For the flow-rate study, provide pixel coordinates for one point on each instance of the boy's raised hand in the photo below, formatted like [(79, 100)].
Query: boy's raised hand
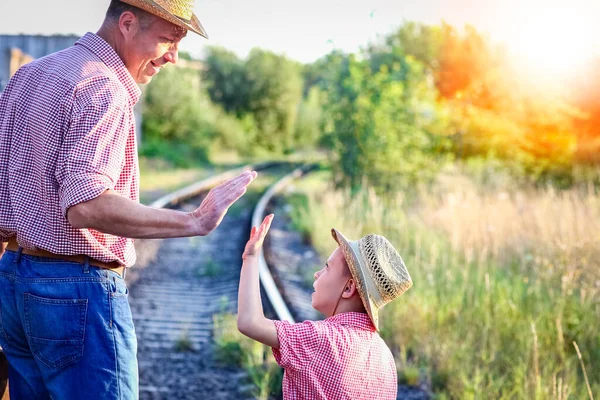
[(257, 237)]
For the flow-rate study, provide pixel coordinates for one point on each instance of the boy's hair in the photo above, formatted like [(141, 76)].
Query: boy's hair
[(346, 272)]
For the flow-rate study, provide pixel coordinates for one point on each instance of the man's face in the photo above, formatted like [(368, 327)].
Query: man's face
[(151, 48), (329, 283)]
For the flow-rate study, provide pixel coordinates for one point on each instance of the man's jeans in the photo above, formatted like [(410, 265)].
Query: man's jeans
[(66, 329)]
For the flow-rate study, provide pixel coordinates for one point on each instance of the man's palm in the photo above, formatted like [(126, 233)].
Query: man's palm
[(214, 207)]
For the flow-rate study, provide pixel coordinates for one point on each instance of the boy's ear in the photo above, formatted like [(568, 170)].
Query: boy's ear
[(350, 289)]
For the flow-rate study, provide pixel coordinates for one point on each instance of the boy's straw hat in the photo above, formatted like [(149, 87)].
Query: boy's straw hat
[(378, 269), (178, 12)]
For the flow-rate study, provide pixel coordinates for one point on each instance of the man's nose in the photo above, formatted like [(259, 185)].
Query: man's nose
[(172, 55)]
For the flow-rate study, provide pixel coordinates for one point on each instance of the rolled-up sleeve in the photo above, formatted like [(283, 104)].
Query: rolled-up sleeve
[(298, 343), (93, 154)]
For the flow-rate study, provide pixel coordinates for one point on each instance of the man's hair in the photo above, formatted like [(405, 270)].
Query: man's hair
[(117, 7)]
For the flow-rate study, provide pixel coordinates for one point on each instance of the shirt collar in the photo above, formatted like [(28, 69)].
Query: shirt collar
[(109, 56), (354, 319)]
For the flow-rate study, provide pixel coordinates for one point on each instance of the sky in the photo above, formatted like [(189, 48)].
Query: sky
[(308, 29)]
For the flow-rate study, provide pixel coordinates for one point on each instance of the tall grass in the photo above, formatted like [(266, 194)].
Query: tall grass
[(504, 282), (236, 350)]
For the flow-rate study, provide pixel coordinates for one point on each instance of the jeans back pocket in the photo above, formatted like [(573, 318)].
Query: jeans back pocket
[(55, 329)]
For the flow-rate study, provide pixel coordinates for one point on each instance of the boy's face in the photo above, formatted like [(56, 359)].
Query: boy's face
[(329, 283)]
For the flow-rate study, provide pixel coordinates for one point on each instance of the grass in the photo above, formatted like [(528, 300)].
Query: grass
[(210, 269), (158, 178), (505, 280), (237, 350), (184, 342)]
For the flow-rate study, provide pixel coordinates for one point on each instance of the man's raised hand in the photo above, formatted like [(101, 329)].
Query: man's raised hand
[(214, 207)]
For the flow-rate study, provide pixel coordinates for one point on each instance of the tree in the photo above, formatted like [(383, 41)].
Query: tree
[(275, 90), (381, 125), (226, 81)]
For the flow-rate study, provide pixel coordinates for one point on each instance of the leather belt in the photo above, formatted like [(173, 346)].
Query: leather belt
[(79, 258)]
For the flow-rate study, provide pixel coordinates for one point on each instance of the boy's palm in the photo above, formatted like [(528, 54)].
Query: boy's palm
[(257, 237)]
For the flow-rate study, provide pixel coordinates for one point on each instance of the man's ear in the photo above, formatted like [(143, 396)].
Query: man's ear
[(350, 289), (128, 24)]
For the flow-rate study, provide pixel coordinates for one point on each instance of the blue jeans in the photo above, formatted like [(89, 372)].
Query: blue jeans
[(66, 329)]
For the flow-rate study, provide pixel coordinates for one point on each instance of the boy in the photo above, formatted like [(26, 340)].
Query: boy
[(342, 357)]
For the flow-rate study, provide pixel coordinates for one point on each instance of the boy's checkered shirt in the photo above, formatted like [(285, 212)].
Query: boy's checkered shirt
[(342, 357)]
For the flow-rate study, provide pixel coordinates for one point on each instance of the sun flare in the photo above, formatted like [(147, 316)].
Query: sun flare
[(554, 42)]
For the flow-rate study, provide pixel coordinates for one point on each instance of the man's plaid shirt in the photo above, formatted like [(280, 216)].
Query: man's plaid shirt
[(67, 134)]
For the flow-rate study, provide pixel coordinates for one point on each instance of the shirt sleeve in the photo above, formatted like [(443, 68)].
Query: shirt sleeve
[(93, 154), (298, 343)]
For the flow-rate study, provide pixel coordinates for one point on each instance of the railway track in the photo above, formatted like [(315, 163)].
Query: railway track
[(175, 296), (180, 284)]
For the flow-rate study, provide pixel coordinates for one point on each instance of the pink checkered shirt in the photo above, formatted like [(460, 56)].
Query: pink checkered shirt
[(67, 134), (342, 357)]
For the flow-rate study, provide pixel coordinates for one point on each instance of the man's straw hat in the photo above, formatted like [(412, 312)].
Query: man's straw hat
[(378, 270), (178, 12)]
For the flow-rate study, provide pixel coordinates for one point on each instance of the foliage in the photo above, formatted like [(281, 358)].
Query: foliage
[(422, 42), (275, 91), (324, 72), (495, 109), (226, 81), (263, 91), (235, 349), (184, 342), (309, 122), (182, 125), (175, 115), (585, 90), (381, 125), (502, 288), (392, 115)]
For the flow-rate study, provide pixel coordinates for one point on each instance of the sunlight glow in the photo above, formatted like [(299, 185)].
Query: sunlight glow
[(555, 42)]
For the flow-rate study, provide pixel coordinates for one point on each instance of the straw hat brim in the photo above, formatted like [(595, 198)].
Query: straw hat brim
[(154, 7), (357, 270)]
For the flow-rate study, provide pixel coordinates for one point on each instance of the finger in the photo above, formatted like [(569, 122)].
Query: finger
[(235, 184), (232, 197), (232, 183), (243, 179), (266, 224), (251, 171), (269, 221)]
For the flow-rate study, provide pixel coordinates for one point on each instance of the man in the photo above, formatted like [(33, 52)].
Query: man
[(69, 204)]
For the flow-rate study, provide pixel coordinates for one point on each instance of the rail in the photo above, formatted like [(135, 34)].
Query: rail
[(195, 188), (273, 294)]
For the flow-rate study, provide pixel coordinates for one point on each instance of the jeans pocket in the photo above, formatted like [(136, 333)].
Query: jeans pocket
[(118, 287), (55, 329)]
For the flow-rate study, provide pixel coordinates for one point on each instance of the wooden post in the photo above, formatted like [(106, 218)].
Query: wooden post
[(18, 59), (3, 376)]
